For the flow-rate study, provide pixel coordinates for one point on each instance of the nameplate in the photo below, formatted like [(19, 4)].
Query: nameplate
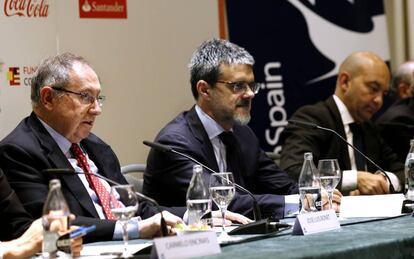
[(188, 245), (315, 222)]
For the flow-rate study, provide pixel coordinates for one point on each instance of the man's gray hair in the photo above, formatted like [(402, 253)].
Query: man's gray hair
[(206, 60), (404, 74), (53, 71)]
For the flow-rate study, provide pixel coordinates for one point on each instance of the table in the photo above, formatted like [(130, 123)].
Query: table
[(385, 238), (357, 238)]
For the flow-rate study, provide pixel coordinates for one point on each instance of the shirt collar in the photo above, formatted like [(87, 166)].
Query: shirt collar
[(63, 143), (343, 111), (212, 128)]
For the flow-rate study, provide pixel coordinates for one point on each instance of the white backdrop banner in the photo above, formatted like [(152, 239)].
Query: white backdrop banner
[(29, 34), (139, 48)]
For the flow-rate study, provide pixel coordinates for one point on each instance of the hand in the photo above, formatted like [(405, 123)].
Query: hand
[(75, 244), (354, 193), (230, 217), (60, 226), (368, 183), (336, 200), (151, 227), (27, 245)]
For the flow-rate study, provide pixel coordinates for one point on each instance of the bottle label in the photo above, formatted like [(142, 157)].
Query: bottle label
[(310, 199), (49, 242), (207, 219), (199, 214), (409, 174)]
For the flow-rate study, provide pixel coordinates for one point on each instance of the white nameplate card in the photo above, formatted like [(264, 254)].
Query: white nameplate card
[(188, 245), (315, 222)]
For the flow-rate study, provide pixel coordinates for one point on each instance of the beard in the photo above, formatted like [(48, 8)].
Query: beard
[(243, 119), (226, 115)]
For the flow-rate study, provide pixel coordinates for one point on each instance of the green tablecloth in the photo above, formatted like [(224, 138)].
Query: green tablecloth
[(388, 238), (385, 238)]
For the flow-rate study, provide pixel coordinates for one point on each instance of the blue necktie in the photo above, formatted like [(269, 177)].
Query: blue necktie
[(233, 156)]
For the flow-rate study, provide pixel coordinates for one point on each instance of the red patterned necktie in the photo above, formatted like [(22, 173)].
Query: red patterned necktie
[(94, 183)]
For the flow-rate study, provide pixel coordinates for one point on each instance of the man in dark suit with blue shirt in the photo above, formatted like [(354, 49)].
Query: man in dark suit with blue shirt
[(215, 132)]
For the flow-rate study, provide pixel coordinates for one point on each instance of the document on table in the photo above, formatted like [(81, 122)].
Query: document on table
[(387, 205), (111, 249)]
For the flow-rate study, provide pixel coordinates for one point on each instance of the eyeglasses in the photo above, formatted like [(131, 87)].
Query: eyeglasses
[(241, 87), (85, 97)]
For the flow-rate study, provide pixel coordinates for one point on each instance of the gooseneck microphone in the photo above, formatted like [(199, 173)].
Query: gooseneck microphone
[(309, 125), (68, 171), (164, 148)]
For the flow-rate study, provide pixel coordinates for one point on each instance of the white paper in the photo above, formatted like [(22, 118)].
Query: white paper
[(107, 251), (387, 205)]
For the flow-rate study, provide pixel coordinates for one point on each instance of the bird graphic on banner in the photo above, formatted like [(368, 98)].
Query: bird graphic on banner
[(336, 43)]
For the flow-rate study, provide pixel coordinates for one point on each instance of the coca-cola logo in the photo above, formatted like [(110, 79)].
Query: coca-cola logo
[(28, 8)]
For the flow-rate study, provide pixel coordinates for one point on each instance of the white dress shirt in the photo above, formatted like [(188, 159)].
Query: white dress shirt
[(349, 177), (213, 130)]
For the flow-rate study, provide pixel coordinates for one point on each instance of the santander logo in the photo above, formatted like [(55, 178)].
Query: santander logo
[(27, 8), (86, 7), (107, 9)]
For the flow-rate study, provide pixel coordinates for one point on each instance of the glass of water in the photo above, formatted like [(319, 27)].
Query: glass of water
[(222, 192), (124, 204), (329, 174)]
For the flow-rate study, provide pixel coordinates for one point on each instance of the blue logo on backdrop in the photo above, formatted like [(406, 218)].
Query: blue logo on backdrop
[(298, 46)]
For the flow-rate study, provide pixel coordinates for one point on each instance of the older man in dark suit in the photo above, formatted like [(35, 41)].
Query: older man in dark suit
[(362, 81), (66, 101), (397, 123)]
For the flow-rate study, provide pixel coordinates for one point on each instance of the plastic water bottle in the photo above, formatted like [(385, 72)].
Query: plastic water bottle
[(198, 201), (309, 186), (54, 219), (409, 173)]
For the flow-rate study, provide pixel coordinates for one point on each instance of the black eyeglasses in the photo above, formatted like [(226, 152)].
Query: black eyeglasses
[(85, 97), (241, 87)]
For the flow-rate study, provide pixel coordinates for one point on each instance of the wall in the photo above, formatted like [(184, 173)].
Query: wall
[(141, 61)]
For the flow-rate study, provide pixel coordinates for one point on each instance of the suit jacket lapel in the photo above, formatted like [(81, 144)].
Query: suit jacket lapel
[(97, 151), (59, 160), (200, 133)]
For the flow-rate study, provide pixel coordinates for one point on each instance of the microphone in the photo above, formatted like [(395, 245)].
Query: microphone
[(309, 125), (260, 226), (164, 148), (68, 171)]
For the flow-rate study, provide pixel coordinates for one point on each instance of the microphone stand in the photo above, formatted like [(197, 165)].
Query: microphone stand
[(260, 226), (67, 171), (163, 148), (315, 126), (256, 210)]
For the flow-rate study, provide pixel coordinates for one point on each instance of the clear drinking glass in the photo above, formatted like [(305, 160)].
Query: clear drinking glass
[(124, 205), (222, 192), (329, 174)]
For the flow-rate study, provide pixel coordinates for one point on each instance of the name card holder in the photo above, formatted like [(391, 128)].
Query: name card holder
[(315, 222), (188, 245)]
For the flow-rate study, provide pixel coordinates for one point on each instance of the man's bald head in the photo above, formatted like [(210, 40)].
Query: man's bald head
[(363, 79)]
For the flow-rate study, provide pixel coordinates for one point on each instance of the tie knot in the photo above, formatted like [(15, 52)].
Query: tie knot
[(76, 150), (355, 128), (227, 137)]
